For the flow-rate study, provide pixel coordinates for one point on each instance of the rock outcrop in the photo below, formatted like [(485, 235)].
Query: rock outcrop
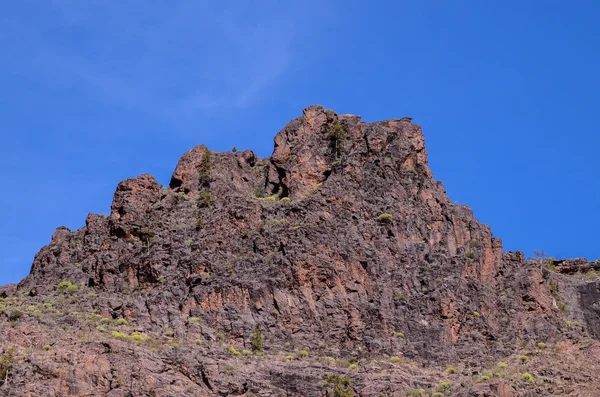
[(340, 254)]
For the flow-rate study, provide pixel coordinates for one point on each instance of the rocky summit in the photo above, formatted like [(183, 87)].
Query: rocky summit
[(336, 267)]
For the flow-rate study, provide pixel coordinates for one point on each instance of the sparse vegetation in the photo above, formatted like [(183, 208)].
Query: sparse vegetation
[(337, 135), (194, 320), (451, 370), (527, 377), (502, 365), (6, 364), (483, 378), (205, 166), (385, 217), (15, 315), (523, 358), (303, 353), (257, 340), (445, 386), (477, 314), (233, 351), (205, 200), (416, 393), (338, 386), (64, 285)]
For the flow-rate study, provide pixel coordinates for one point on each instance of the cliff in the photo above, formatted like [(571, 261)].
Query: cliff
[(338, 265)]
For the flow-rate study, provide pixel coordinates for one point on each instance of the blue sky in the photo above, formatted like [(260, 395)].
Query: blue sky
[(507, 92)]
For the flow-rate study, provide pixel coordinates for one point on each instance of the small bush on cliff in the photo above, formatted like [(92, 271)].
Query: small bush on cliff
[(204, 167), (205, 200), (257, 340), (385, 218), (233, 351), (338, 386), (337, 135), (6, 364), (527, 377), (15, 315), (64, 285), (445, 386)]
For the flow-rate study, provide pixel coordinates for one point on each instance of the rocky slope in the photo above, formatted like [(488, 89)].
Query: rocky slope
[(338, 267)]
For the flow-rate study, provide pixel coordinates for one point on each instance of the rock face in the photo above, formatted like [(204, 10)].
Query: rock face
[(340, 254)]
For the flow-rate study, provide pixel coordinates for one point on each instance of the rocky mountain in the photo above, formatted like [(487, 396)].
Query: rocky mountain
[(336, 267)]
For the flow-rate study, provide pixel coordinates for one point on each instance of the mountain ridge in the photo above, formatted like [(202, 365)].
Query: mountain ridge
[(340, 251)]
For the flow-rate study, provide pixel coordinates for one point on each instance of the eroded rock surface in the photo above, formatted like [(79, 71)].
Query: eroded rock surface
[(361, 274)]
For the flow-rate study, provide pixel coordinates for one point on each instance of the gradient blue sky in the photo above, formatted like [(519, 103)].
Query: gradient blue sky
[(507, 92)]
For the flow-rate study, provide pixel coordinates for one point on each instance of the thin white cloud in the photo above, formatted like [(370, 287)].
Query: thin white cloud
[(167, 61)]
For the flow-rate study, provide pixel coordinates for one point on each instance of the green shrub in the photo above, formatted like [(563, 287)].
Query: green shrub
[(337, 135), (483, 378), (394, 359), (72, 289), (64, 285), (385, 217), (233, 351), (199, 341), (205, 200), (502, 365), (416, 392), (470, 255), (353, 366), (451, 370), (122, 321), (303, 353), (523, 357), (47, 347), (257, 340), (205, 166), (541, 345), (194, 320), (6, 364), (272, 198), (339, 386), (445, 386), (397, 334), (15, 315), (527, 377), (101, 329), (477, 314), (246, 352), (119, 335)]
